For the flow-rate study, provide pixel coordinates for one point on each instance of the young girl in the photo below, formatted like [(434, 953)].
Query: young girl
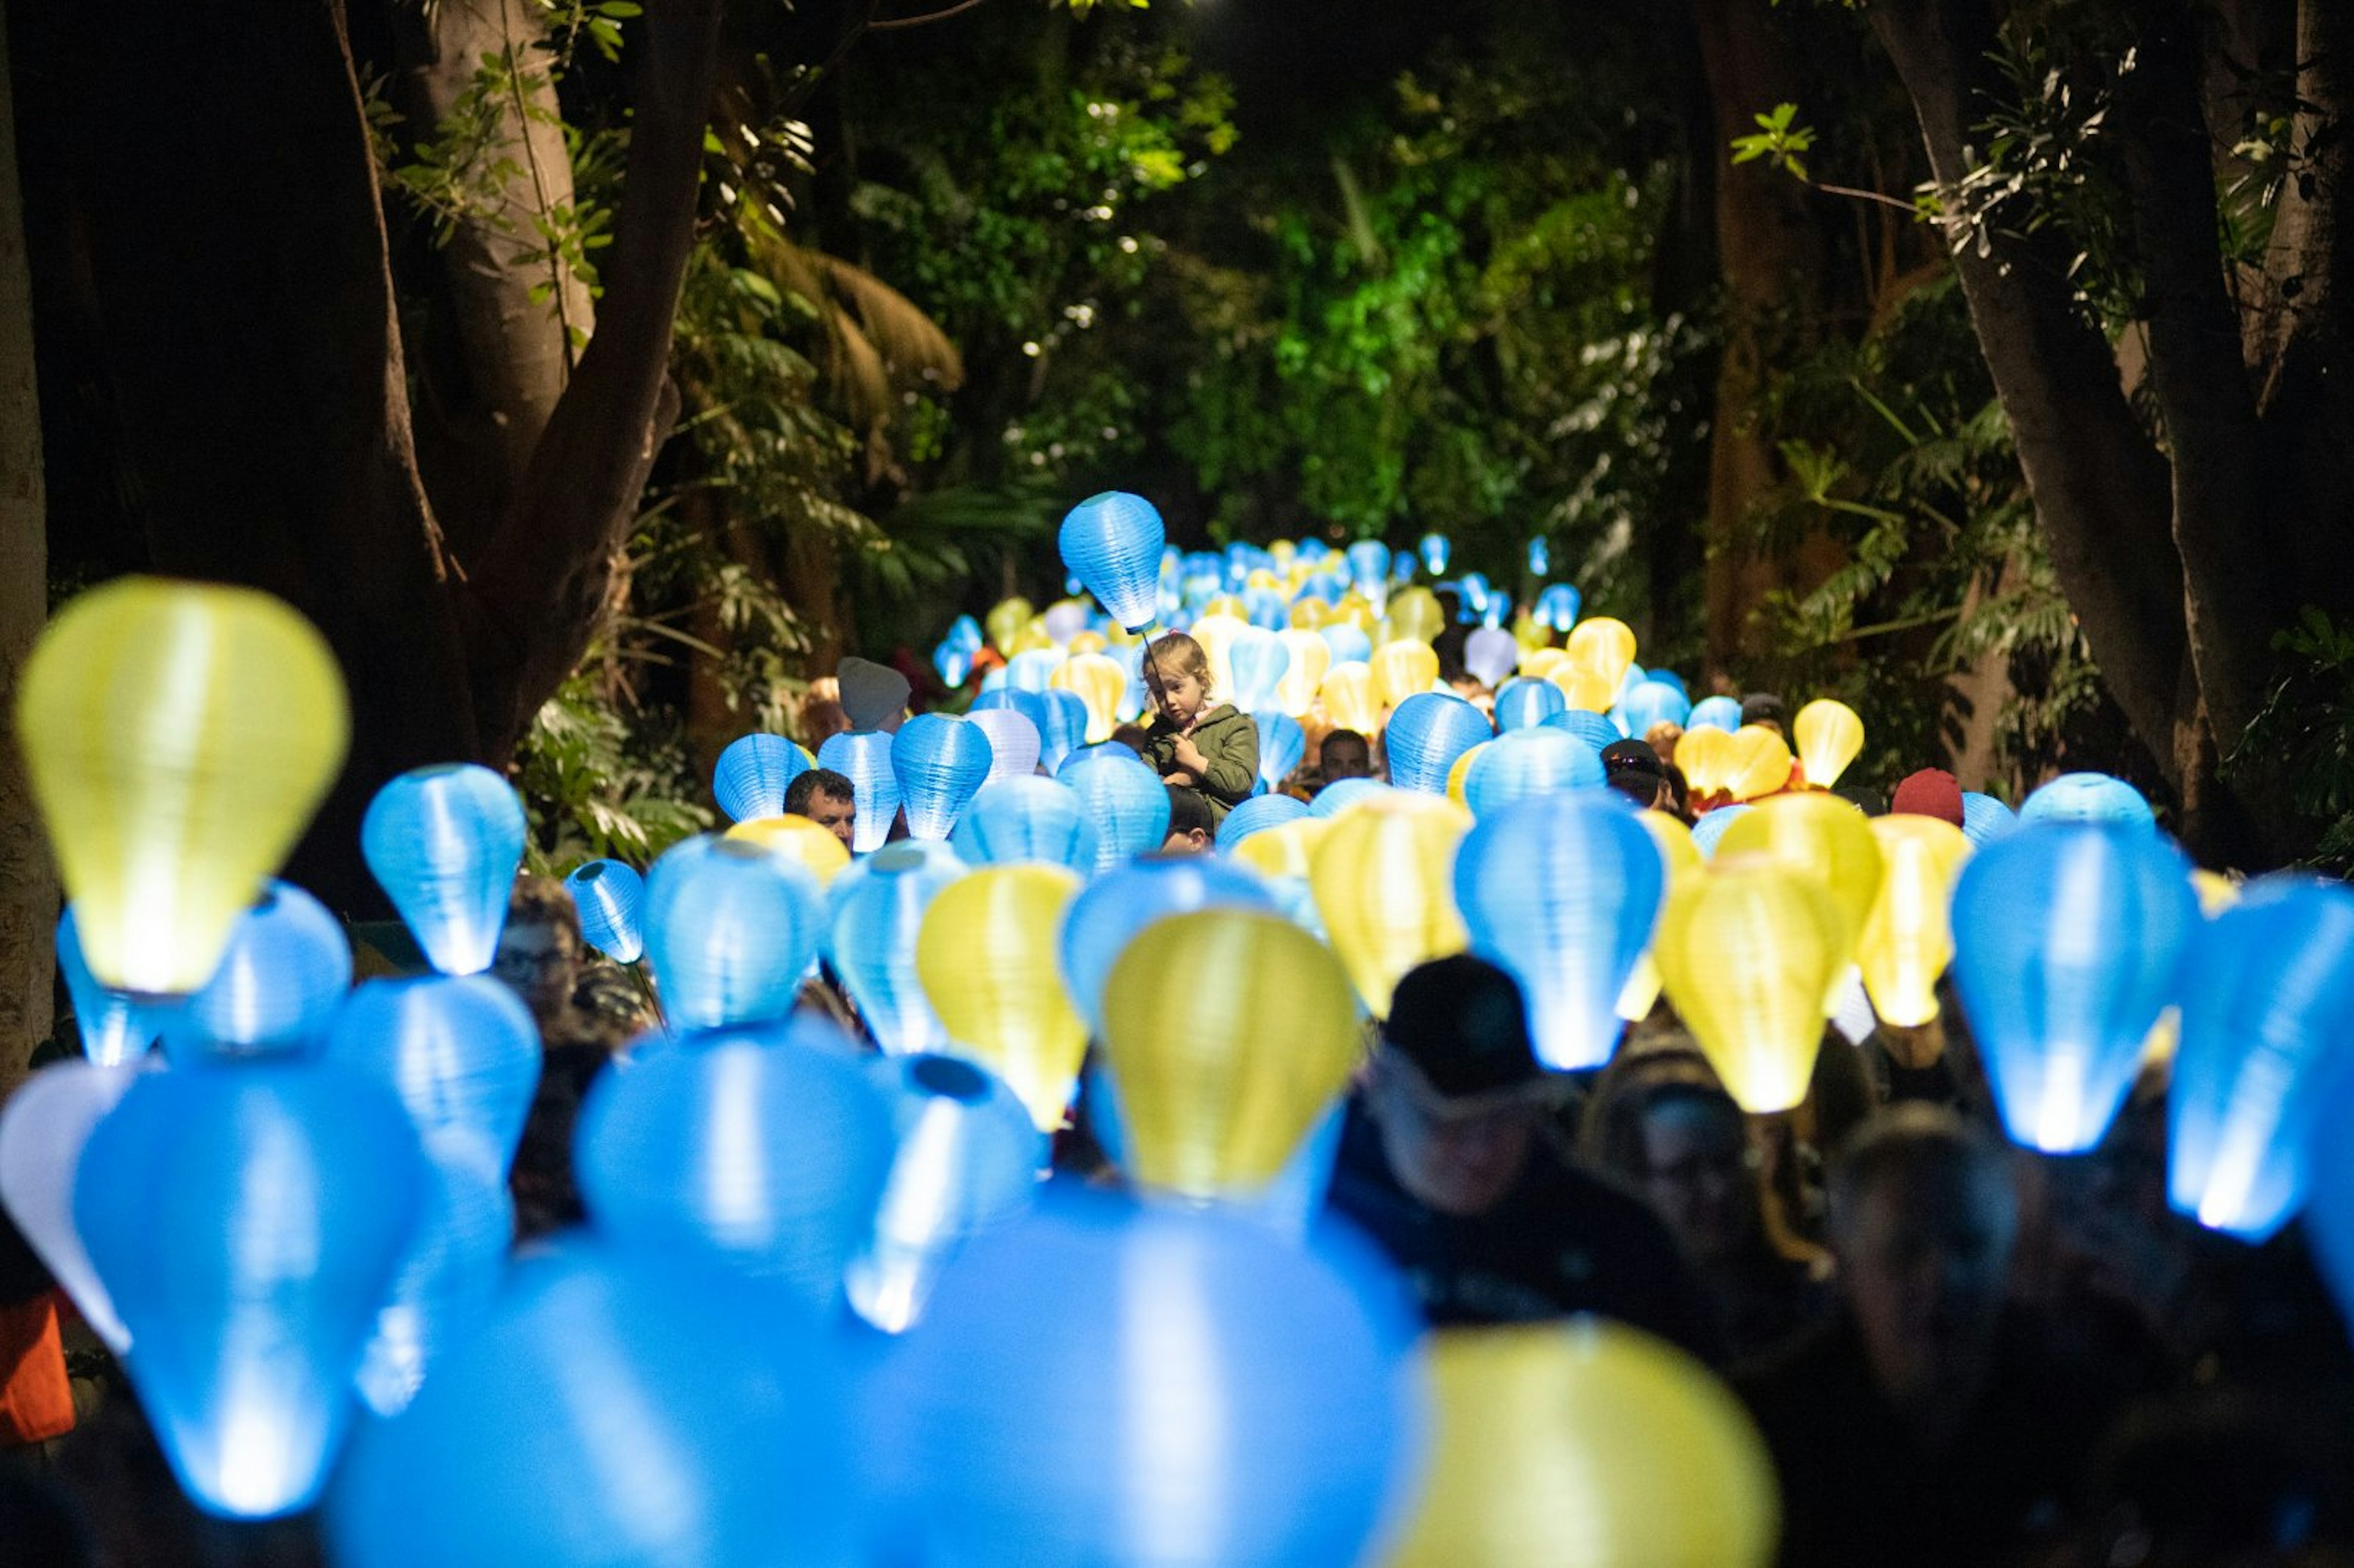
[(1213, 750)]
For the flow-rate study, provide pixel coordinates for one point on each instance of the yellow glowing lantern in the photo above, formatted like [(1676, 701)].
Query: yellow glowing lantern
[(1588, 689), (1605, 646), (987, 957), (1100, 681), (1401, 669), (799, 839), (177, 735), (1357, 610), (1006, 621), (1757, 766), (1683, 860), (1088, 642), (1216, 633), (1830, 736), (1383, 881), (1819, 836), (2216, 892), (1309, 613), (1285, 850), (1530, 632), (1415, 613), (1032, 637), (1458, 776), (1706, 757), (1907, 938), (1749, 952), (1311, 656), (1349, 701), (1538, 663)]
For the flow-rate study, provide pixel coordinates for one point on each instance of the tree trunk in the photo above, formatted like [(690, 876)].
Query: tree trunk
[(28, 882)]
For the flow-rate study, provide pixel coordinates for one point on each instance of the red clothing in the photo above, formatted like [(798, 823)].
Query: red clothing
[(35, 1399)]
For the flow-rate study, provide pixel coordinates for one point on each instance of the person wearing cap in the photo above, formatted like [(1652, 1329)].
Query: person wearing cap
[(1634, 770), (875, 697), (1765, 710), (1930, 792), (1452, 1162)]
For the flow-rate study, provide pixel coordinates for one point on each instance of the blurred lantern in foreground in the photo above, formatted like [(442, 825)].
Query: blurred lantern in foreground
[(753, 774), (1126, 799), (113, 1027), (1758, 765), (1830, 735), (1748, 954), (2067, 942), (451, 1270), (1284, 852), (1100, 681), (1529, 762), (579, 1373), (2265, 1045), (1311, 656), (1257, 814), (939, 761), (988, 956), (246, 1220), (2329, 1210), (1029, 818), (1110, 911), (1112, 544), (1383, 876), (1349, 701), (1102, 1384), (1257, 660), (1427, 733), (1819, 836), (1489, 654), (1402, 668), (1458, 776), (1587, 1444), (1282, 747), (1562, 891), (1592, 728), (460, 1052), (286, 966), (763, 1148), (1336, 797), (44, 1126), (1525, 704), (1208, 1110), (2087, 797), (1715, 712), (967, 1158), (798, 841), (1908, 939), (731, 929), (445, 844), (1014, 742), (1681, 859), (607, 895), (1605, 647), (874, 914), (177, 737), (1985, 819), (864, 757), (1711, 828)]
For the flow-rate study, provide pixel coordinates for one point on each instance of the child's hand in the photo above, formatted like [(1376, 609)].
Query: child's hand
[(1188, 755)]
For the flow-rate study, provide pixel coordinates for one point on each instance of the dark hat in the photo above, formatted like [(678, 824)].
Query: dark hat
[(1761, 707), (1462, 1023), (1634, 770), (1932, 792)]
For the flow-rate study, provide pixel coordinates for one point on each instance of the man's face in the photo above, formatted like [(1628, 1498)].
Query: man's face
[(837, 814), (1924, 1261), (1696, 1174), (1347, 759), (1455, 1163), (538, 962)]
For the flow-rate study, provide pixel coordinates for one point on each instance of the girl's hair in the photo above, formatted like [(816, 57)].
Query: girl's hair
[(1178, 654)]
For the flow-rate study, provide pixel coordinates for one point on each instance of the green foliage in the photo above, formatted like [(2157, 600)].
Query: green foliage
[(1780, 140), (602, 777), (2303, 734)]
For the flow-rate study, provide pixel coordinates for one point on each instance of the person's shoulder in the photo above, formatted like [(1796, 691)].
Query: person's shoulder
[(1225, 713)]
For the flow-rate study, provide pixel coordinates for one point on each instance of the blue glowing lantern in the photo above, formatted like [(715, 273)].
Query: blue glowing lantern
[(1124, 799), (764, 1148), (2067, 939), (1031, 705), (1593, 729), (1714, 825), (1014, 742), (1563, 890), (1257, 815), (1524, 704), (445, 844), (2329, 1210), (1402, 565), (1282, 745), (448, 1274), (114, 1028), (1471, 595), (2266, 1039), (939, 761), (1985, 819), (1557, 607), (1335, 798), (731, 930), (2087, 797), (1110, 911), (1032, 669), (1257, 661), (1065, 730), (1540, 558), (460, 1052), (1670, 678), (965, 632), (1112, 543), (1715, 712), (608, 896), (1268, 609), (1492, 655), (1529, 762), (753, 774), (1499, 612), (1435, 552), (953, 665), (1654, 702), (967, 1161), (1271, 1385), (1348, 641), (1029, 818), (577, 1373), (1426, 732), (286, 966), (864, 757), (1369, 568), (246, 1220), (876, 908)]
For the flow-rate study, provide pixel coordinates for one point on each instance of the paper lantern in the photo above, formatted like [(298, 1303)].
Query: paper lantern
[(2267, 1025), (607, 895), (1309, 658), (1819, 836), (1562, 891), (1529, 762), (1908, 939), (1426, 732), (1031, 705), (1402, 668), (1985, 819), (763, 1147), (1283, 853), (1434, 550), (1538, 663), (1585, 689), (286, 966), (988, 957), (1460, 770), (1028, 818), (246, 1220), (938, 761), (2087, 797), (752, 776), (1099, 682), (1490, 654), (1714, 825), (1217, 634), (1108, 913), (1350, 702), (1830, 736), (1259, 814), (1349, 645), (1125, 801), (1065, 619), (445, 844), (1682, 859), (1104, 1384), (952, 664), (1112, 544), (1256, 662), (1557, 607), (1587, 1444), (2216, 891), (1335, 798), (1604, 646), (1064, 732), (1383, 875), (1715, 712), (2066, 941), (114, 1028), (966, 1160), (1014, 742), (1748, 954), (578, 1373), (1758, 765), (442, 1291), (1591, 727), (872, 924), (1415, 613), (1653, 703), (1706, 756), (731, 929), (1006, 621), (1034, 669), (1282, 748), (2328, 1226), (44, 1125), (460, 1052), (1525, 704), (798, 841), (864, 757), (177, 737)]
